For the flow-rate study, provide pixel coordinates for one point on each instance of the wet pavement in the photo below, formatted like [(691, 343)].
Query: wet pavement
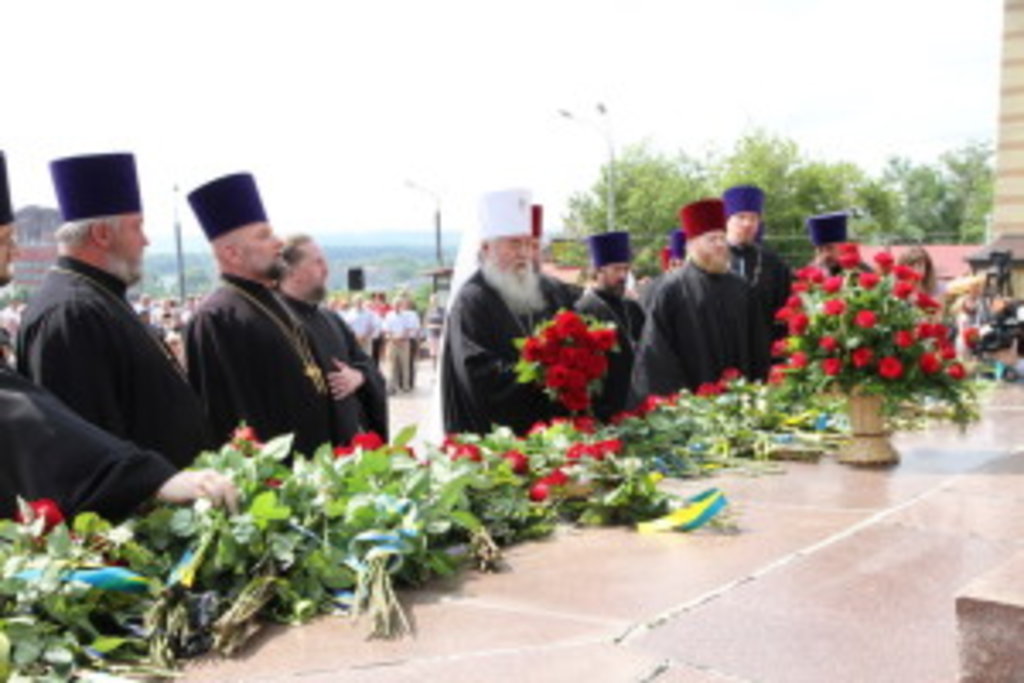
[(836, 574)]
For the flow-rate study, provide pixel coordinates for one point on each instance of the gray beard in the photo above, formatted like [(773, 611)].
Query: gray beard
[(521, 292)]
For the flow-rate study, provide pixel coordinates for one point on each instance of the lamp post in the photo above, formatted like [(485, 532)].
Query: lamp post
[(606, 133), (181, 256), (437, 216)]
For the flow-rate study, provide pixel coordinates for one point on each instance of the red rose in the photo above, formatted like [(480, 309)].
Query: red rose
[(576, 451), (828, 344), (45, 509), (798, 360), (848, 261), (865, 319), (777, 374), (927, 303), (587, 425), (785, 313), (903, 338), (709, 389), (556, 478), (834, 307), (605, 340), (890, 367), (568, 324), (273, 483), (596, 367), (940, 332), (884, 260), (833, 284), (956, 371), (815, 275), (923, 330), (467, 451), (575, 400), (780, 347), (731, 374), (539, 492), (343, 451), (930, 363), (799, 287), (868, 280), (831, 366), (862, 357), (902, 289), (798, 324), (532, 350), (795, 301), (622, 416), (368, 441), (538, 427), (971, 336), (947, 352), (518, 461), (610, 446), (906, 273), (557, 376)]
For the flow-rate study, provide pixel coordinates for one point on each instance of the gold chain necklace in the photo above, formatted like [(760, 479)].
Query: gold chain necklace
[(295, 336), (96, 284)]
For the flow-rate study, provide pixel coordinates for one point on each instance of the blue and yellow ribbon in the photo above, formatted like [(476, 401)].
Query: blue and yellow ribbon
[(108, 578), (698, 511)]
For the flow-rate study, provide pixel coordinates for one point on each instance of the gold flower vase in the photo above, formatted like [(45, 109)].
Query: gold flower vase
[(869, 443)]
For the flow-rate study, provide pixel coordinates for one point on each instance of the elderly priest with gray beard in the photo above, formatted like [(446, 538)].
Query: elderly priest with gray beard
[(505, 299)]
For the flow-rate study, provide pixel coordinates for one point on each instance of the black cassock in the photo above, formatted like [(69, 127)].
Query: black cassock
[(247, 359), (367, 408), (80, 339), (768, 276), (478, 378), (700, 324), (628, 318), (48, 451)]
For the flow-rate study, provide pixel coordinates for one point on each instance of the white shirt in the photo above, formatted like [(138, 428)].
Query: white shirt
[(401, 325)]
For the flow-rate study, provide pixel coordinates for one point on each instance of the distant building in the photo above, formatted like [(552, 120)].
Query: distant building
[(37, 248)]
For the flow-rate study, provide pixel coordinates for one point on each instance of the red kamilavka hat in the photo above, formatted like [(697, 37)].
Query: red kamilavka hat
[(702, 216)]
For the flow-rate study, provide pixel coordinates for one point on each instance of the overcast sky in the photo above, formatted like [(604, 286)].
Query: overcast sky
[(334, 105)]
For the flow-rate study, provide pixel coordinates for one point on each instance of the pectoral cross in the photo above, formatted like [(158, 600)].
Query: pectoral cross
[(316, 377)]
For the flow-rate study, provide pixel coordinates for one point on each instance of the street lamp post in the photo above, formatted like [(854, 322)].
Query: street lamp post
[(180, 254), (606, 133), (437, 217)]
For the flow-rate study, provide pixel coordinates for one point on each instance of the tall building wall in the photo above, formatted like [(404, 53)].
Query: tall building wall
[(1008, 218)]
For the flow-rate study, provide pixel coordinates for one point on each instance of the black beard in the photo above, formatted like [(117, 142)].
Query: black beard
[(618, 290), (274, 271)]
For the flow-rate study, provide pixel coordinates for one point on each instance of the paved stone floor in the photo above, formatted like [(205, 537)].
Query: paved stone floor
[(836, 574)]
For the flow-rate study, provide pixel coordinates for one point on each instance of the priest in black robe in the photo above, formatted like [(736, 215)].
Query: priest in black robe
[(505, 299), (606, 300), (828, 232), (249, 358), (80, 337), (767, 274), (358, 391), (49, 451), (673, 258), (704, 319)]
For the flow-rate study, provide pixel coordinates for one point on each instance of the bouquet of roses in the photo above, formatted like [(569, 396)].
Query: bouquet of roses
[(870, 333), (567, 357)]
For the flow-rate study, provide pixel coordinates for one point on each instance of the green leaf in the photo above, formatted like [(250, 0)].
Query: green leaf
[(404, 436), (265, 509), (183, 522), (466, 520), (278, 448), (107, 644)]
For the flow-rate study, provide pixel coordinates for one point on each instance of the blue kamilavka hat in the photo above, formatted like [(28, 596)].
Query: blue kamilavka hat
[(6, 216), (96, 185), (609, 247), (226, 204), (677, 244), (827, 228), (743, 198)]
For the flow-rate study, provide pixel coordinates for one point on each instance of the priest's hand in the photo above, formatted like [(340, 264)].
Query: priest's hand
[(345, 380), (186, 486)]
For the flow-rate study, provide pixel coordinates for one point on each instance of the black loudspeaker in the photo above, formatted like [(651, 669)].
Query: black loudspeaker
[(356, 280)]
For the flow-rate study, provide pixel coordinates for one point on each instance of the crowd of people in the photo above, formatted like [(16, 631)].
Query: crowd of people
[(109, 401)]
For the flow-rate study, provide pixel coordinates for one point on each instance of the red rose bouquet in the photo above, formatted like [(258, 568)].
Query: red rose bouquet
[(567, 357), (869, 333)]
